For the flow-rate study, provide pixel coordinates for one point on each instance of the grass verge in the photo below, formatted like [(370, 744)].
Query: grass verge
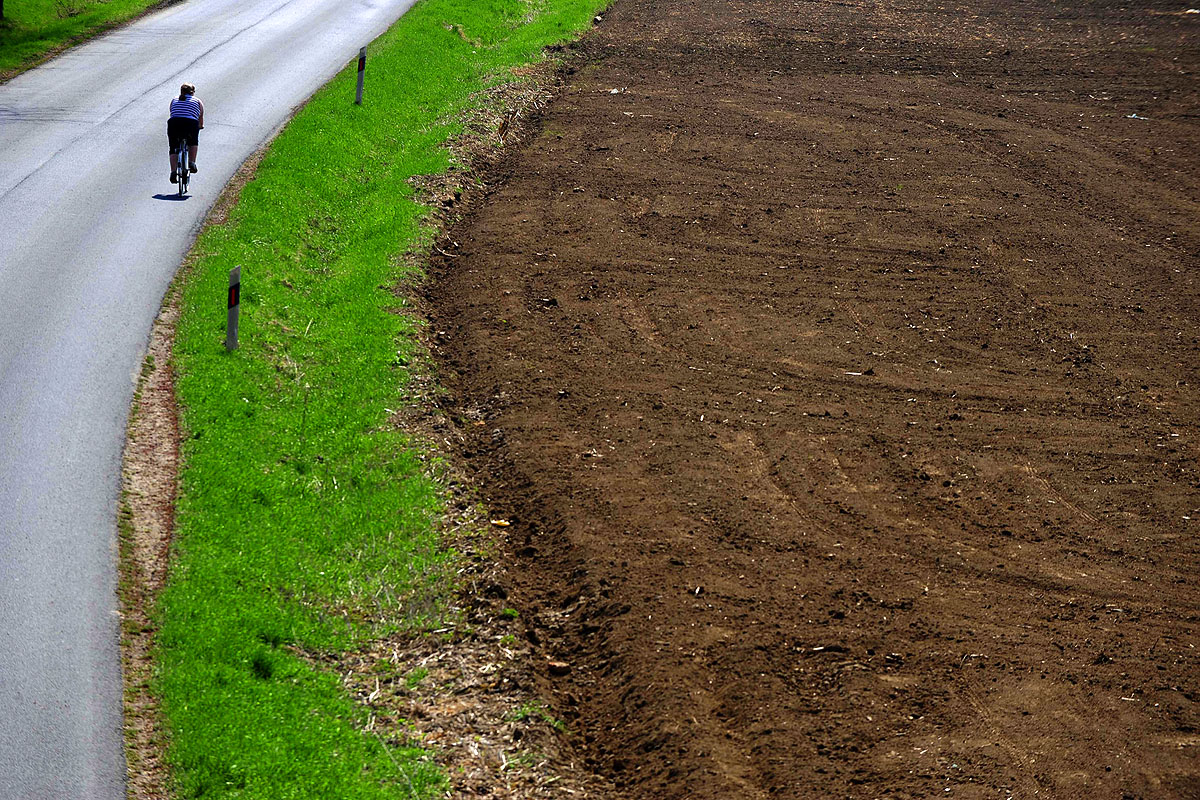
[(32, 30), (305, 522)]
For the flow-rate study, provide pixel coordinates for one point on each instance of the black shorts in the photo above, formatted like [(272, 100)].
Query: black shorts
[(182, 128)]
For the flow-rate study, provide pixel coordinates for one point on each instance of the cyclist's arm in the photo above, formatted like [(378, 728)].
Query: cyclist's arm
[(201, 112)]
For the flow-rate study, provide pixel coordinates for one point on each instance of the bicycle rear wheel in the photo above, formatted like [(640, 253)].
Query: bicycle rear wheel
[(182, 173)]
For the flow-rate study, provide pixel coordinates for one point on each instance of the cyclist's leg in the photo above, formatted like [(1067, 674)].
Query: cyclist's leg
[(193, 145), (173, 140)]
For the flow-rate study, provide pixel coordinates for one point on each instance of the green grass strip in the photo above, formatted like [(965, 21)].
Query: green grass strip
[(304, 523), (32, 28)]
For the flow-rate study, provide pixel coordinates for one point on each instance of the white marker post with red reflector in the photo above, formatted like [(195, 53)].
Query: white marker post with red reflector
[(362, 68), (234, 300)]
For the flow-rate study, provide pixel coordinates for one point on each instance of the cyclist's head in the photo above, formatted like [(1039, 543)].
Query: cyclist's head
[(185, 90)]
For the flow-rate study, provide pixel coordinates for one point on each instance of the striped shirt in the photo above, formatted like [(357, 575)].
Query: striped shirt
[(188, 108)]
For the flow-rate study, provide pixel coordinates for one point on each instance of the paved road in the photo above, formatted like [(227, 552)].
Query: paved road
[(87, 250)]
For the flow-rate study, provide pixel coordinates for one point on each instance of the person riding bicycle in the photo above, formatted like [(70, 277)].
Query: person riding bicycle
[(184, 125)]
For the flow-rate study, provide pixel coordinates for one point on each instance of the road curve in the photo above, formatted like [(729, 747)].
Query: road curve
[(88, 246)]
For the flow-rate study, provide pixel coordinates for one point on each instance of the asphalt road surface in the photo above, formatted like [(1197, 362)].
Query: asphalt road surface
[(90, 236)]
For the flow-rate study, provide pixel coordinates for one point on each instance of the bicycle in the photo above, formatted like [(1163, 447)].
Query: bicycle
[(182, 173)]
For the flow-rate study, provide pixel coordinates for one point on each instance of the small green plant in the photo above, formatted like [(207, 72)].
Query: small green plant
[(535, 710), (413, 679), (508, 640), (510, 613)]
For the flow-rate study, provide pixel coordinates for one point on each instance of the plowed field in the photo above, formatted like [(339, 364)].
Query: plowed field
[(836, 364)]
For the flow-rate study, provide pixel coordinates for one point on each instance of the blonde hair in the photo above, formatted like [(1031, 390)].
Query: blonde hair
[(185, 90)]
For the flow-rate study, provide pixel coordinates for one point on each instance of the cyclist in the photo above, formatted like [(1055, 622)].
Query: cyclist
[(185, 123)]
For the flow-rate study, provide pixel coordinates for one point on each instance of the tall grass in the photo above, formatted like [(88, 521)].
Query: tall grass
[(305, 523)]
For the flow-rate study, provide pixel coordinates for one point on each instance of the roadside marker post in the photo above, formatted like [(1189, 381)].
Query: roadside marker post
[(234, 299), (362, 68)]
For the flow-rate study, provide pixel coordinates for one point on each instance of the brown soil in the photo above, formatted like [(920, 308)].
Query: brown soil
[(838, 373)]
